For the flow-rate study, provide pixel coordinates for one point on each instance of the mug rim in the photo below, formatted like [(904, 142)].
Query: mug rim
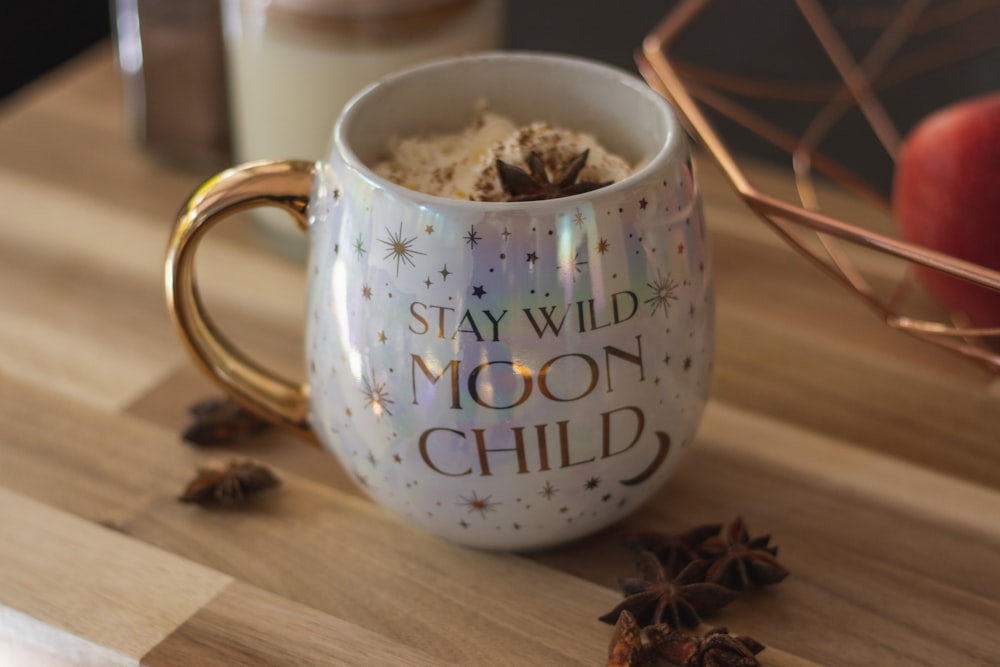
[(664, 155)]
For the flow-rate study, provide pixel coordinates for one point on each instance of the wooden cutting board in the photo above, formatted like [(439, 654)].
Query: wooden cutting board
[(872, 459)]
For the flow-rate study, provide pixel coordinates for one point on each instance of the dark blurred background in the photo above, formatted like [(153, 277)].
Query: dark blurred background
[(38, 35), (736, 37)]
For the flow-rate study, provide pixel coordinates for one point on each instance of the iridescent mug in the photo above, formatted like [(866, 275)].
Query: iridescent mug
[(505, 375)]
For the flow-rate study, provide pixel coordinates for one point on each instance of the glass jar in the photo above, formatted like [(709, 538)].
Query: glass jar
[(170, 56), (293, 64)]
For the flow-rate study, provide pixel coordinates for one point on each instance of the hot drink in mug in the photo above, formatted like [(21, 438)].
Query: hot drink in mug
[(507, 370)]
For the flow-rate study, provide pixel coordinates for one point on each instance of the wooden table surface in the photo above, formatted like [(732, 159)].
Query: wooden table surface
[(872, 458)]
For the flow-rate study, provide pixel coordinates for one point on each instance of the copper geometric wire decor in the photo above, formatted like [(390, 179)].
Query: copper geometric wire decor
[(860, 78)]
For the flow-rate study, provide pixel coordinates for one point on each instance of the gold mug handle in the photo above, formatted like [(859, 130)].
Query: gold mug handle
[(286, 184)]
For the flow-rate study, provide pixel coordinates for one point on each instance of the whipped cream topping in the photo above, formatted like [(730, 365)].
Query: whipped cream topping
[(462, 165)]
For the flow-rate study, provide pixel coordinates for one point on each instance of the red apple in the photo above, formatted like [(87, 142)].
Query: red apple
[(946, 196)]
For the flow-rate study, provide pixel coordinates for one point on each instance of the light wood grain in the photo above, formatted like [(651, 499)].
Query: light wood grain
[(88, 316), (84, 580), (74, 593), (313, 545), (167, 404), (850, 470), (246, 626), (391, 579)]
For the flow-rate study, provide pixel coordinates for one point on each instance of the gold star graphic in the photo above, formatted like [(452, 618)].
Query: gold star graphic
[(376, 395), (399, 248), (366, 293), (574, 266), (578, 218), (663, 293), (477, 504), (602, 246)]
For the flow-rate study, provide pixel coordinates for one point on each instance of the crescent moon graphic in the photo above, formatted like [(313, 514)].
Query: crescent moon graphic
[(658, 460)]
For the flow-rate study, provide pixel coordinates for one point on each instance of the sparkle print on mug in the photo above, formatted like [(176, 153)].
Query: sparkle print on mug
[(446, 387)]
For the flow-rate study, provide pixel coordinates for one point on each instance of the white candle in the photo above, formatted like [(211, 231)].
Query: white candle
[(293, 64)]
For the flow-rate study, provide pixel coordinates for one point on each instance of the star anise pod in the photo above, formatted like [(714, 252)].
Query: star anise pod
[(524, 186), (674, 550), (680, 601), (218, 484), (626, 649), (717, 648), (738, 561), (221, 420)]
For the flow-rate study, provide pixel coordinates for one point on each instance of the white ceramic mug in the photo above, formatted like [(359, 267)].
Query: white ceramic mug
[(506, 375)]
